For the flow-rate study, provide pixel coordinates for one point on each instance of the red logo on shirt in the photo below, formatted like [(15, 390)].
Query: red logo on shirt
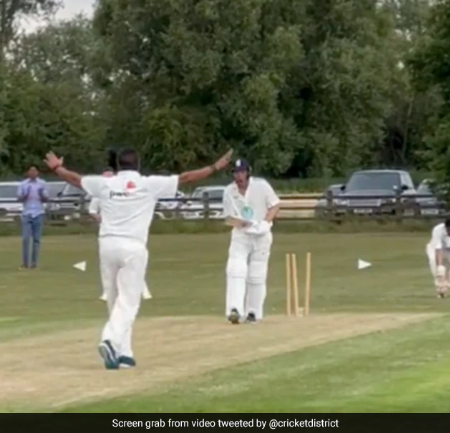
[(130, 185)]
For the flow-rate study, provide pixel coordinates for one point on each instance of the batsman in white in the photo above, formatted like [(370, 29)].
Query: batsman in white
[(127, 202), (94, 211), (438, 252), (250, 205)]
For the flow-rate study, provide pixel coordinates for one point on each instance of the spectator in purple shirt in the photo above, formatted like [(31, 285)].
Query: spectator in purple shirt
[(33, 193)]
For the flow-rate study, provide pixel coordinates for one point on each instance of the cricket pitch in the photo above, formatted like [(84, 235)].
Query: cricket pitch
[(52, 371)]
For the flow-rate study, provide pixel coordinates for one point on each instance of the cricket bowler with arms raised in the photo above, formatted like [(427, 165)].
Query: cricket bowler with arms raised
[(127, 202), (438, 252), (250, 206), (95, 212)]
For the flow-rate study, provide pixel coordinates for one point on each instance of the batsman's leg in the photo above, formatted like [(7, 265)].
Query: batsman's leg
[(257, 278), (236, 272)]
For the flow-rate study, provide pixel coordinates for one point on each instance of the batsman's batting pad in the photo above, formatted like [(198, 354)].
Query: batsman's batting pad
[(258, 267), (237, 267), (112, 159)]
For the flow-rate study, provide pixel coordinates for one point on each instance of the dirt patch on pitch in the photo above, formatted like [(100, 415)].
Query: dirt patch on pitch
[(62, 369)]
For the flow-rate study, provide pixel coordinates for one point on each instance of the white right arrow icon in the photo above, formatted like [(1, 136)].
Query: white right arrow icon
[(363, 265), (80, 266)]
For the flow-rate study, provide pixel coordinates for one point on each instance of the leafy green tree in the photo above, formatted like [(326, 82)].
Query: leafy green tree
[(431, 72), (51, 100), (12, 11), (286, 83)]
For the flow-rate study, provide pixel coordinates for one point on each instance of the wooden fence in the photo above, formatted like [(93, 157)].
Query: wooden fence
[(397, 206)]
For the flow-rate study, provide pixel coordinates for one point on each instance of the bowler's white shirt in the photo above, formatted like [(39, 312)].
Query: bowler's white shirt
[(253, 205), (94, 206), (439, 238), (127, 201)]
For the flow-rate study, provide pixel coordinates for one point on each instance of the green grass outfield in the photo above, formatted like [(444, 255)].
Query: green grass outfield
[(376, 341)]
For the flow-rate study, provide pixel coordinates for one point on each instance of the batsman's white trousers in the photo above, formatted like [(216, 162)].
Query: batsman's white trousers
[(123, 263), (247, 268)]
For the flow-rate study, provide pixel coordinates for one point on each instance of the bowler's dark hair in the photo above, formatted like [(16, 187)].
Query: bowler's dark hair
[(128, 159), (447, 223), (112, 159)]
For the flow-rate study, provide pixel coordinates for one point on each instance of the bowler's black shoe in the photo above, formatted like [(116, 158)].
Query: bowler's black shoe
[(251, 318)]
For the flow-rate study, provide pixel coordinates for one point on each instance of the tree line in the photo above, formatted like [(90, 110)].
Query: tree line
[(300, 88)]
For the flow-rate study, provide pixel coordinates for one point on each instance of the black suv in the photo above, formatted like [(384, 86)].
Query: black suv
[(375, 192)]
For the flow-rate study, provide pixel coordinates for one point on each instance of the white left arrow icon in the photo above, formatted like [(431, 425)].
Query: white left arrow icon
[(80, 266), (363, 265)]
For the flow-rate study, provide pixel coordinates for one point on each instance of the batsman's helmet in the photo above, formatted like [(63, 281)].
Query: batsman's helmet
[(241, 165)]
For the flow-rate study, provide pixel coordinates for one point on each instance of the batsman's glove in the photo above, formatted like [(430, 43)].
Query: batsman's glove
[(260, 228)]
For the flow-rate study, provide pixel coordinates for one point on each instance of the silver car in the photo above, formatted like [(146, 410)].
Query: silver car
[(429, 204), (10, 207), (70, 202)]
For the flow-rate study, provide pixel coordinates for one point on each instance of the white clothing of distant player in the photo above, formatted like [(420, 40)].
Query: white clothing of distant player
[(248, 255), (127, 202), (440, 240), (94, 210)]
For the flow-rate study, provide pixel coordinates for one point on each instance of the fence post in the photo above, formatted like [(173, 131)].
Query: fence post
[(178, 204), (205, 199), (82, 210), (398, 205), (330, 205)]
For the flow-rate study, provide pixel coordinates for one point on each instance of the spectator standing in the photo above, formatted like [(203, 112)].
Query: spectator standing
[(33, 193)]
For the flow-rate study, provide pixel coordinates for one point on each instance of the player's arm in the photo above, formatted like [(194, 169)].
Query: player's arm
[(273, 203), (203, 173), (439, 256), (55, 164), (94, 209), (438, 244), (91, 184), (69, 176)]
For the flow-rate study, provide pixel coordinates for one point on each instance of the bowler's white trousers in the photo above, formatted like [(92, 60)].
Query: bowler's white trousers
[(123, 263), (247, 268)]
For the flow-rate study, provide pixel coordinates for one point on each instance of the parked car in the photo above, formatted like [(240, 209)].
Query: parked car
[(10, 207), (166, 207), (363, 191), (320, 209), (431, 204), (54, 188), (70, 202), (195, 209)]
